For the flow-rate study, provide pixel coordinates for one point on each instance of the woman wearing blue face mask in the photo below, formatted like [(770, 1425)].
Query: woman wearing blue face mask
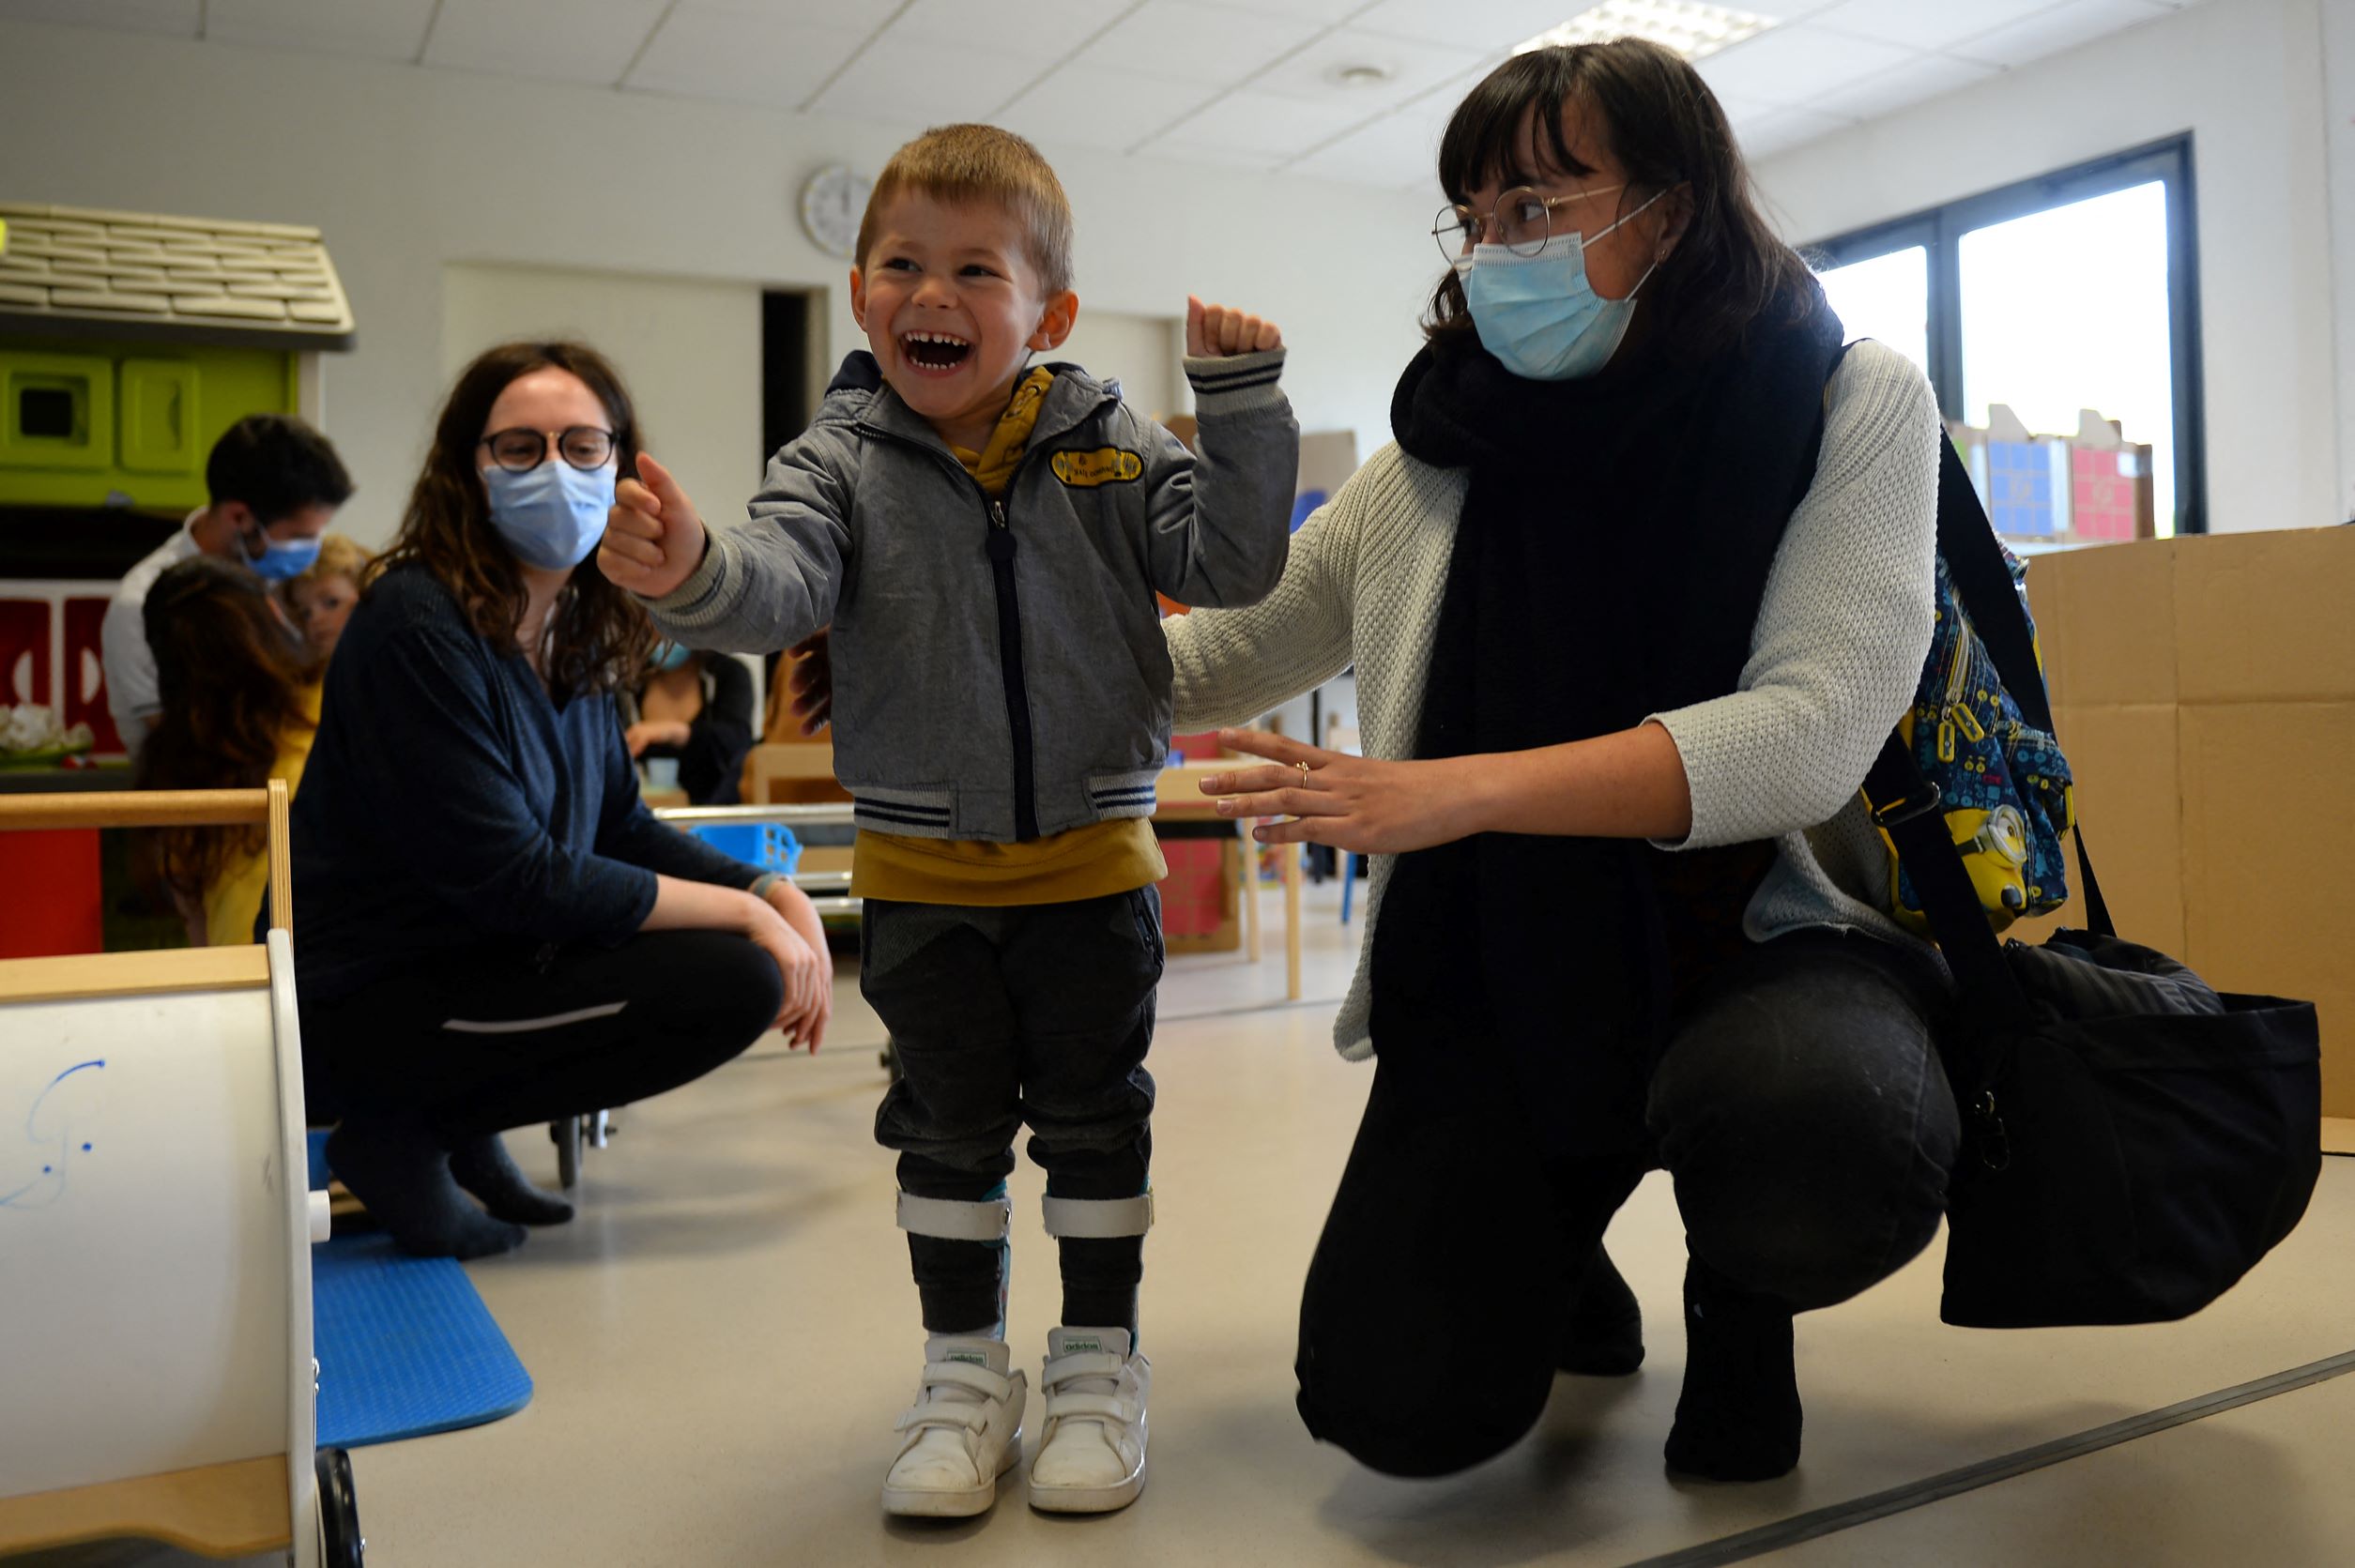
[(494, 931), (1633, 600), (696, 710)]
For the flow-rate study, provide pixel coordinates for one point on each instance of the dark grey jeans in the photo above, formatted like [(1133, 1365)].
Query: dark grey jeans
[(1040, 1014), (1801, 1111)]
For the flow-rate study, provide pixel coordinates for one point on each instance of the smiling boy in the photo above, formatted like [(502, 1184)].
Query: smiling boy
[(985, 537)]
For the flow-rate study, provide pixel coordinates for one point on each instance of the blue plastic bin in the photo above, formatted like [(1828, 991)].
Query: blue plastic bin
[(769, 845)]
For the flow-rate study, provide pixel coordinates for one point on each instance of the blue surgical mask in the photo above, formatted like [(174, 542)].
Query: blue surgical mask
[(550, 516), (1540, 316), (281, 558), (672, 656)]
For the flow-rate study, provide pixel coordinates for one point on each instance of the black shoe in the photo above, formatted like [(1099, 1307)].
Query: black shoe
[(483, 1168), (398, 1169), (1738, 1417), (1605, 1337)]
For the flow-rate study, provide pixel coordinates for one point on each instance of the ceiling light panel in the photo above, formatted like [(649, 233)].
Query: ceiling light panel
[(1694, 31)]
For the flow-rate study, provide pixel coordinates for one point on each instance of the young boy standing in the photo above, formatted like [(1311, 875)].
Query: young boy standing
[(985, 537)]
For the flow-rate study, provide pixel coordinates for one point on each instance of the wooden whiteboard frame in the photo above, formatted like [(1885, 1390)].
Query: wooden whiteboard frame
[(251, 1505)]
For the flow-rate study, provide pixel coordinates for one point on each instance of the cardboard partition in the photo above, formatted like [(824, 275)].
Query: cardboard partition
[(2204, 695)]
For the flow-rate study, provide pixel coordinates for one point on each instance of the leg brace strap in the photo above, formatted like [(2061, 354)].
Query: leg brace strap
[(990, 1219), (1099, 1217)]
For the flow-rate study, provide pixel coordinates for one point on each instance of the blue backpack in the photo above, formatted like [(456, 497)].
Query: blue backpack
[(1966, 749)]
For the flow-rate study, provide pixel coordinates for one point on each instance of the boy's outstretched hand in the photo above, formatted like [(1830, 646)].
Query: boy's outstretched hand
[(653, 538), (1213, 331)]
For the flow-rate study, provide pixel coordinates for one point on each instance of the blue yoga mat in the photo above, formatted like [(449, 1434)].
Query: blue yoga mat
[(406, 1348)]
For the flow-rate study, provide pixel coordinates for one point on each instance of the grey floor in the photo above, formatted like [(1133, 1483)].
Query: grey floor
[(721, 1341)]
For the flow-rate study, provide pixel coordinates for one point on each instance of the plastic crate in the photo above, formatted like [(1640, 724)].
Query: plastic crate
[(769, 845)]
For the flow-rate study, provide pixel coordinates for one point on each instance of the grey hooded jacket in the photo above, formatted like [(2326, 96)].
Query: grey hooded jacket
[(999, 668)]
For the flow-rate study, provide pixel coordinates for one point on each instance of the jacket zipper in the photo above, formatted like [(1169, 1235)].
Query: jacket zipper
[(1001, 547)]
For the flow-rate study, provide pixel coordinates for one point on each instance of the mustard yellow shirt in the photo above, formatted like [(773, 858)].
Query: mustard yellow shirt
[(1094, 862), (235, 897)]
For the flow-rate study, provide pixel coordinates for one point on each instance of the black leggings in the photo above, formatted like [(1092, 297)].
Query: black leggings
[(474, 1044), (1802, 1113)]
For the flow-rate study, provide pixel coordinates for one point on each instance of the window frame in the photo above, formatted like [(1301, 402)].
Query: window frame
[(1939, 231)]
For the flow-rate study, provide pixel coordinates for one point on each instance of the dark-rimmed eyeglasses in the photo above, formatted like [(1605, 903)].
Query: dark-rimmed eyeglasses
[(519, 451)]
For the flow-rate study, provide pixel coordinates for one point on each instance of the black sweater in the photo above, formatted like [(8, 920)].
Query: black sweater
[(451, 803)]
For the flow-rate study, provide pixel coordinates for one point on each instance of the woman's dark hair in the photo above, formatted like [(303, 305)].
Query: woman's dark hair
[(1666, 128), (599, 633), (230, 677)]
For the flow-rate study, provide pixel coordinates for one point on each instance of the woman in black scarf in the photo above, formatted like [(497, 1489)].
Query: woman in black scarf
[(1633, 600)]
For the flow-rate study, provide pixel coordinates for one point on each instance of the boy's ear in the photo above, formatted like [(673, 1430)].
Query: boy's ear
[(1056, 320), (858, 298)]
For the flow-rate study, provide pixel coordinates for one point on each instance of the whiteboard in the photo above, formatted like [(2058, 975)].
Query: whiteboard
[(144, 1302)]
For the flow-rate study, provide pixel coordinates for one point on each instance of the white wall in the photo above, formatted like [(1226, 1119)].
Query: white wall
[(407, 170), (2246, 79), (1140, 352), (689, 352)]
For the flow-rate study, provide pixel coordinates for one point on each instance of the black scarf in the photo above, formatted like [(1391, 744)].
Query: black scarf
[(1608, 565)]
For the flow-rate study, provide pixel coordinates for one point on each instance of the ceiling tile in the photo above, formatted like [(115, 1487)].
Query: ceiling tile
[(1183, 41), (374, 29), (181, 18), (705, 50), (1319, 11), (1254, 125), (564, 41), (926, 83), (1415, 68), (1917, 25), (1392, 152), (1052, 28), (1115, 110), (1787, 129), (1493, 24), (1913, 82), (2062, 27), (1797, 64)]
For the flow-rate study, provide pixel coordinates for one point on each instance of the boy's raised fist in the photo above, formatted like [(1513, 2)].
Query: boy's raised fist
[(654, 540), (1213, 332)]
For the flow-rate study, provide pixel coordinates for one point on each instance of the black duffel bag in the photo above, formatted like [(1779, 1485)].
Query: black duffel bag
[(2133, 1141)]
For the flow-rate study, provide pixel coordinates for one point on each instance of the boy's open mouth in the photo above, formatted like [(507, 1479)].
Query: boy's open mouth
[(933, 351)]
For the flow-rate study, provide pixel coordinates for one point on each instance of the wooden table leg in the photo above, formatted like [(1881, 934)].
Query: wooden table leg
[(1292, 920), (1250, 890)]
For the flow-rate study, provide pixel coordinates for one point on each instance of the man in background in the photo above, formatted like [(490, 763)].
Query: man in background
[(275, 484)]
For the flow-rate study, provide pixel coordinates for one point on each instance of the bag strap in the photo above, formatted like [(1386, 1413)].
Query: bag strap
[(1909, 808)]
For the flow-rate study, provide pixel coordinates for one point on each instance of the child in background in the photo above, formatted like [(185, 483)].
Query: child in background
[(320, 600), (986, 537), (240, 698)]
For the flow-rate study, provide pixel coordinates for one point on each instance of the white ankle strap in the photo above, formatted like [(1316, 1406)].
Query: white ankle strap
[(1098, 1218), (948, 1219)]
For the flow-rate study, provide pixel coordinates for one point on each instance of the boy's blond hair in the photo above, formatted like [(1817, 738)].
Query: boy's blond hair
[(983, 163), (338, 557)]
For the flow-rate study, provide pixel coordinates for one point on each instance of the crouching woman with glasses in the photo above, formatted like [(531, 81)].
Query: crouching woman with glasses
[(494, 931), (1633, 600)]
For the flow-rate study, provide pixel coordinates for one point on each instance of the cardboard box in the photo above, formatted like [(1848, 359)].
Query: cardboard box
[(2204, 689)]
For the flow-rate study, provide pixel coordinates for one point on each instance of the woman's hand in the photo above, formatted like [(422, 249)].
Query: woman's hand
[(655, 732), (793, 907), (807, 975), (1366, 808)]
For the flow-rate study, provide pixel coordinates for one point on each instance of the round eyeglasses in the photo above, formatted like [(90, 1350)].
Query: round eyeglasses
[(519, 451), (1521, 221)]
